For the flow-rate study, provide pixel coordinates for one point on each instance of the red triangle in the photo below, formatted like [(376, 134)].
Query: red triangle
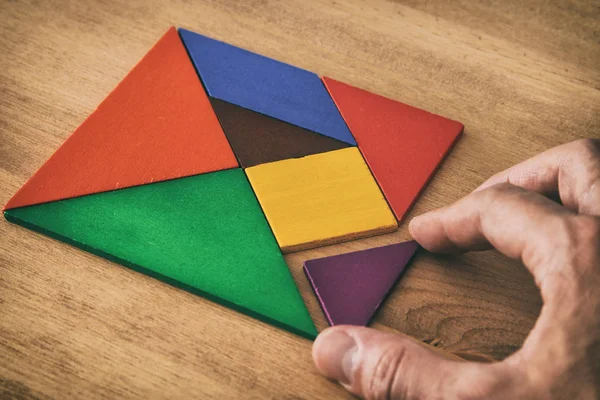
[(352, 286), (156, 125), (403, 145)]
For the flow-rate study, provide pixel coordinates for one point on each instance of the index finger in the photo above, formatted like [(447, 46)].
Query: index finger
[(519, 223)]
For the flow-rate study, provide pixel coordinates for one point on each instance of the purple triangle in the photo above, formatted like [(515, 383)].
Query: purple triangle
[(351, 287)]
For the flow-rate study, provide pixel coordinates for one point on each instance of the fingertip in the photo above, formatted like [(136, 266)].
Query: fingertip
[(430, 232), (318, 345), (419, 226), (426, 230), (333, 353), (414, 226)]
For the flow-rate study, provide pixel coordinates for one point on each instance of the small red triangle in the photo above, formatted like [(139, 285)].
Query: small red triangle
[(156, 125), (403, 145), (352, 286)]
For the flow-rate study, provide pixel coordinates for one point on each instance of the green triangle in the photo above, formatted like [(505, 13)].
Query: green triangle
[(205, 234)]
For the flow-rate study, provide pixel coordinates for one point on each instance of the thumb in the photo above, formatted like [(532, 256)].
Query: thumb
[(373, 364)]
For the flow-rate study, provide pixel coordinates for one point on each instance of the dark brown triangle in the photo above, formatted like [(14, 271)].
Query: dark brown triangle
[(257, 139)]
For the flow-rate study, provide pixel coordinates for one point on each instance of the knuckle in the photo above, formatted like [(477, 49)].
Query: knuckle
[(495, 192), (586, 159), (500, 188), (575, 254), (575, 234), (564, 228), (588, 227), (505, 194), (555, 244), (564, 237), (587, 237), (587, 148), (381, 382), (579, 175)]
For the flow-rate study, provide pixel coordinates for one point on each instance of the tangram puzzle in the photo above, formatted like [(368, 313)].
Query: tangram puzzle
[(207, 162)]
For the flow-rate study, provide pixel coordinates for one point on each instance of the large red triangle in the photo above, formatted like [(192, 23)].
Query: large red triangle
[(156, 125), (402, 145), (352, 286)]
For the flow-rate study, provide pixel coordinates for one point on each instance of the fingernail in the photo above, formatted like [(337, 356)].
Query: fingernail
[(334, 353)]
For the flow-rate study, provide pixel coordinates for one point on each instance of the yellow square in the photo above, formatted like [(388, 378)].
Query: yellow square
[(321, 199)]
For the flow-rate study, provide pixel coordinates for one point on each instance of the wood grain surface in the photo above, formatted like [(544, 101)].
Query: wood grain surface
[(521, 75)]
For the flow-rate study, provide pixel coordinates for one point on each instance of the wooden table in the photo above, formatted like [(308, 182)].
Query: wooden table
[(521, 77)]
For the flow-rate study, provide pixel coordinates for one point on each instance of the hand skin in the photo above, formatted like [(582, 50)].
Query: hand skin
[(560, 245)]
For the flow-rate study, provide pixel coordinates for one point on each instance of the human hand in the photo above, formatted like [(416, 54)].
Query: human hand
[(558, 243)]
